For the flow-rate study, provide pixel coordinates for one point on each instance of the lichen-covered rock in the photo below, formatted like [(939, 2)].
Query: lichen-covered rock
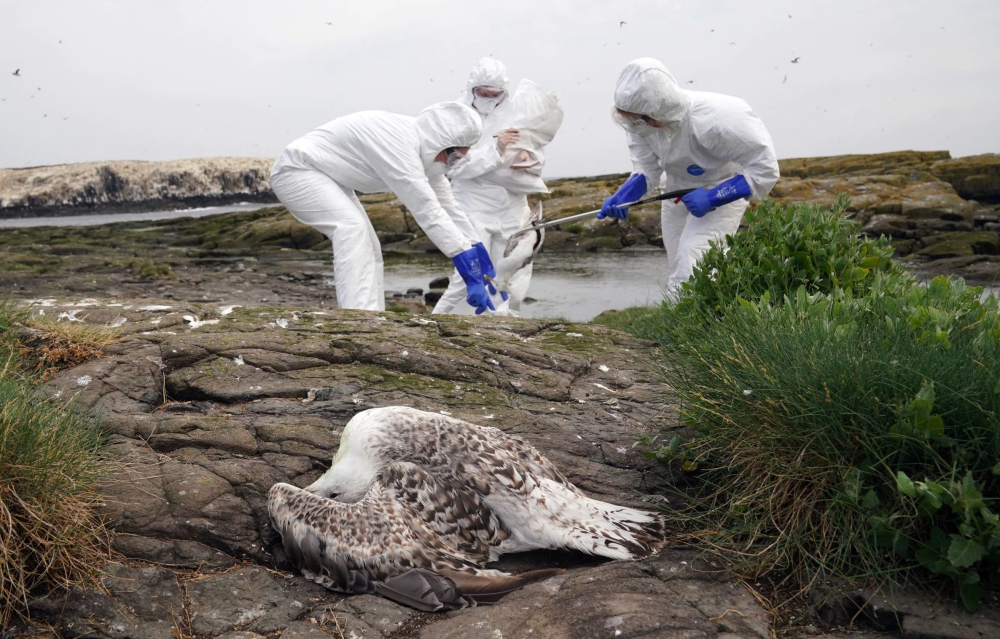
[(898, 162), (976, 177), (959, 244), (900, 195)]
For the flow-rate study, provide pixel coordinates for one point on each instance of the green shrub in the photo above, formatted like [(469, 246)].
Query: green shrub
[(785, 247), (781, 249), (847, 418)]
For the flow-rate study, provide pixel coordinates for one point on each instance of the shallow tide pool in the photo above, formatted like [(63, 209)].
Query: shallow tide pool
[(573, 286)]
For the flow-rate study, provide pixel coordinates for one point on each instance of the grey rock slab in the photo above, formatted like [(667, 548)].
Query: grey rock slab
[(251, 598), (126, 381), (150, 593), (250, 402), (382, 615), (311, 630), (947, 628), (915, 612), (140, 603), (660, 597), (133, 498), (179, 553)]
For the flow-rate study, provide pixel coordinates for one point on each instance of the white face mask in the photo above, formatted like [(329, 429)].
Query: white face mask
[(455, 161), (639, 128), (485, 105)]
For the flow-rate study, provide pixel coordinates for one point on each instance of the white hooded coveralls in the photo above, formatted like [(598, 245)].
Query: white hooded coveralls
[(708, 139), (494, 211), (316, 178)]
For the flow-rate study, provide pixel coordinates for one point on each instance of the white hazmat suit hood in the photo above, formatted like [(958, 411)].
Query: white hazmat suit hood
[(487, 73), (488, 189), (646, 87), (444, 125)]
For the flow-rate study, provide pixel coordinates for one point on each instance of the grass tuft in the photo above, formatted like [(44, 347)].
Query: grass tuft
[(150, 269), (51, 536)]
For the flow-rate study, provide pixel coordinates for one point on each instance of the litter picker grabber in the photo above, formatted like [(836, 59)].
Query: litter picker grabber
[(579, 216)]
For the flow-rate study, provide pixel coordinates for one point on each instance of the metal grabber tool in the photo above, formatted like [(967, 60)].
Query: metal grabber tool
[(579, 216)]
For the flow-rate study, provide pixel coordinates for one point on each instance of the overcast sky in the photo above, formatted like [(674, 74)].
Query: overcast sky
[(157, 80)]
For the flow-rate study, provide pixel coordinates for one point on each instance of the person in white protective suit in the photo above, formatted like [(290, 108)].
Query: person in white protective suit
[(712, 143), (487, 187), (316, 178)]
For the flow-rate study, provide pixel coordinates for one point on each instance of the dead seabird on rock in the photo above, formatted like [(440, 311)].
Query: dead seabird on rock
[(412, 538), (416, 492)]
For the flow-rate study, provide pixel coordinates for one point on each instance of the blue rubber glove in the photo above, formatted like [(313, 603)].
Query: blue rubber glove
[(701, 201), (468, 266), (631, 190), (489, 273), (484, 261)]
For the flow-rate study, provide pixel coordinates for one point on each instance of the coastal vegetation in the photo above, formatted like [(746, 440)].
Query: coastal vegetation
[(51, 537), (845, 416)]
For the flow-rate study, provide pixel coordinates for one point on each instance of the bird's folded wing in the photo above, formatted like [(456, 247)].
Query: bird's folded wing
[(454, 513), (345, 546), (424, 590)]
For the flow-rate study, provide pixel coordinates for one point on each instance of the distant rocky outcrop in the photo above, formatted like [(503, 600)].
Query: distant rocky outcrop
[(68, 189), (942, 213)]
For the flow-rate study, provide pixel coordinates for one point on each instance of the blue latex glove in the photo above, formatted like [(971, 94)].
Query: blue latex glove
[(631, 190), (484, 260), (489, 273), (468, 266), (701, 201)]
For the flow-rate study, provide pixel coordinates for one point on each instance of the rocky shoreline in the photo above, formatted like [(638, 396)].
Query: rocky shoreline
[(205, 407), (942, 213)]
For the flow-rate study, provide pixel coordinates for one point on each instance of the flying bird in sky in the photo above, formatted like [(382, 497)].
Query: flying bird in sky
[(622, 24), (17, 73), (796, 60)]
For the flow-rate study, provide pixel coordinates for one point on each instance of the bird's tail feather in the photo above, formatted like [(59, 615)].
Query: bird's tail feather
[(485, 590), (599, 528)]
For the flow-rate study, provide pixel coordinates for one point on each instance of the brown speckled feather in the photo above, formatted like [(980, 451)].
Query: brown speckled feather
[(395, 541), (534, 504)]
